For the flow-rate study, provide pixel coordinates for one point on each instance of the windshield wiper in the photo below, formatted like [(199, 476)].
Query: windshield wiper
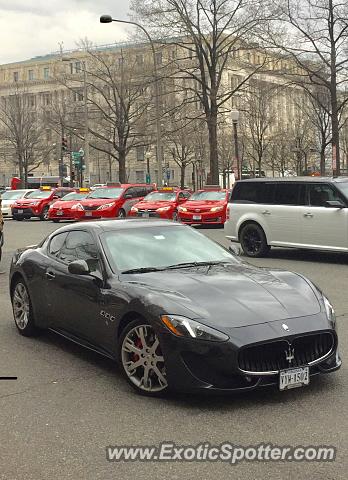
[(143, 270), (195, 264)]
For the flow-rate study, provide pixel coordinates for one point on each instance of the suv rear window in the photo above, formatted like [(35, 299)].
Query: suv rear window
[(269, 193), (251, 192), (289, 194)]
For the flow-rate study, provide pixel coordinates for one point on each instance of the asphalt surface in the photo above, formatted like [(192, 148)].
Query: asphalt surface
[(68, 404)]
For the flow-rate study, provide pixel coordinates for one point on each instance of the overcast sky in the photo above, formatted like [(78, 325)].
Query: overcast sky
[(35, 27)]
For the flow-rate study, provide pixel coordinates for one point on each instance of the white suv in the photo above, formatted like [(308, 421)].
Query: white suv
[(308, 212)]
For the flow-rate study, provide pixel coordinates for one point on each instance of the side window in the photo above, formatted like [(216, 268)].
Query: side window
[(140, 191), (56, 244), (289, 194), (185, 194), (181, 195), (80, 245), (321, 193), (246, 192), (130, 191)]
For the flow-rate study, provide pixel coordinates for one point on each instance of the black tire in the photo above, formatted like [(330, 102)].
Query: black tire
[(122, 213), (44, 214), (253, 241), (154, 387), (17, 218), (26, 326), (54, 220), (175, 216)]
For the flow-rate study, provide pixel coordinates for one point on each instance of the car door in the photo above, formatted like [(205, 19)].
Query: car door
[(132, 195), (77, 299), (282, 214), (324, 227)]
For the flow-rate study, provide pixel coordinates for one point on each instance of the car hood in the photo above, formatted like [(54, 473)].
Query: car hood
[(30, 201), (232, 296), (92, 202), (152, 205), (204, 203), (66, 204)]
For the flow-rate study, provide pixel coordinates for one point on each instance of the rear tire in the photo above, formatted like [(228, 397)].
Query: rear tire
[(253, 241)]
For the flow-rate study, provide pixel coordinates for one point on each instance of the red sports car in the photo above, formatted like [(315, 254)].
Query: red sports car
[(205, 207), (161, 204)]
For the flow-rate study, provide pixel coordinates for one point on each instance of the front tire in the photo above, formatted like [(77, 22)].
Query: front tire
[(122, 213), (141, 359), (17, 218), (44, 214), (253, 241), (175, 217), (54, 220), (22, 310)]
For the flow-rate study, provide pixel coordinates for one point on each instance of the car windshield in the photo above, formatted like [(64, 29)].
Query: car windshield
[(208, 195), (160, 247), (40, 194), (160, 197), (73, 196), (12, 194), (343, 187), (106, 193)]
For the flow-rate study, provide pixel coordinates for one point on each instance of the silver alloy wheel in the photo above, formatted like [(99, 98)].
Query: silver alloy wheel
[(21, 306), (142, 359)]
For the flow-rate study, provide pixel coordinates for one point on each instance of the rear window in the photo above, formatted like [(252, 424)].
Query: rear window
[(250, 192), (272, 193)]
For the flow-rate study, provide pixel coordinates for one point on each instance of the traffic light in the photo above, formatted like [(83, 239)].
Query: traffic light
[(64, 144)]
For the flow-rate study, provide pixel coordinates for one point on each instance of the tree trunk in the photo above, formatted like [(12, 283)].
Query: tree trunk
[(122, 174), (322, 162), (182, 175), (213, 147)]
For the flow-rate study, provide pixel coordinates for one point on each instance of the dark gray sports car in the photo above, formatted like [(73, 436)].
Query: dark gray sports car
[(175, 309)]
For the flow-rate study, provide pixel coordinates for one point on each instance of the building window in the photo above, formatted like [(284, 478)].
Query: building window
[(139, 59), (140, 154), (32, 101), (46, 99), (78, 95), (31, 75), (159, 58), (46, 72), (15, 76), (139, 176)]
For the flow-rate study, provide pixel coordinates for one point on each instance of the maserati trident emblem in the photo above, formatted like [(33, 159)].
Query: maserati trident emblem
[(290, 354), (285, 327)]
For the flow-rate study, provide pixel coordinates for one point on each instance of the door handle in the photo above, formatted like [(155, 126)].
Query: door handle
[(50, 275), (308, 215), (266, 212)]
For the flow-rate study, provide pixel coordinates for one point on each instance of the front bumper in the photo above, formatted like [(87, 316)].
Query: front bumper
[(193, 365), (211, 218), (6, 212), (92, 214), (25, 212), (168, 215)]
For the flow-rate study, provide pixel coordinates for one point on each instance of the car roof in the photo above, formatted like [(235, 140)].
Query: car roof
[(295, 179), (111, 225)]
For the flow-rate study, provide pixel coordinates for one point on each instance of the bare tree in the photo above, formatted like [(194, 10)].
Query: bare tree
[(207, 35), (23, 130), (315, 37)]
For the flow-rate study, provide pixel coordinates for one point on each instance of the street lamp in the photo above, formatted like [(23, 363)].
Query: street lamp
[(235, 119), (109, 19), (86, 119)]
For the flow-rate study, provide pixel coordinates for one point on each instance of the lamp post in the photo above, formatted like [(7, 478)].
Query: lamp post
[(235, 119), (109, 19), (86, 119)]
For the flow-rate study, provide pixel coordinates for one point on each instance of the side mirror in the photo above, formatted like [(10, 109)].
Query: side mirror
[(235, 250), (78, 267), (334, 204)]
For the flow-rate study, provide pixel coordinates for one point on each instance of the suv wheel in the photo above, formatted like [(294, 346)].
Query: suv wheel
[(253, 240)]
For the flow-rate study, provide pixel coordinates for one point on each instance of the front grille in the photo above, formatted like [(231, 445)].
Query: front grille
[(90, 207), (271, 356)]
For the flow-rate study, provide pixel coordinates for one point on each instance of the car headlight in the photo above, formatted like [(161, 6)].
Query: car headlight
[(51, 207), (134, 209), (182, 209), (330, 312), (185, 327), (105, 206), (163, 209), (77, 206), (216, 209)]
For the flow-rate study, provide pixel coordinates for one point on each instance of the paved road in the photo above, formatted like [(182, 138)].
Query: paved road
[(68, 403)]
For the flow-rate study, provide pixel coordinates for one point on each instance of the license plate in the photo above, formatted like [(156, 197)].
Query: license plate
[(88, 214), (60, 212), (20, 211), (197, 217), (145, 215), (293, 378)]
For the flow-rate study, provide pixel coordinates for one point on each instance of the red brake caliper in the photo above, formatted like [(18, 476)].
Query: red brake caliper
[(139, 345)]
